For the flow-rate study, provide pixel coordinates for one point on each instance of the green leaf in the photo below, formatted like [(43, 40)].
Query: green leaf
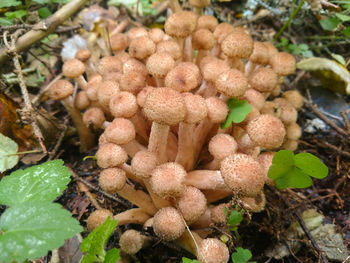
[(343, 18), (294, 178), (234, 219), (241, 255), (329, 23), (41, 2), (282, 162), (9, 3), (307, 54), (346, 31), (94, 244), (339, 58), (311, 165), (30, 230), (42, 182), (5, 21), (187, 260), (8, 153), (303, 47), (239, 109), (112, 256), (284, 41), (44, 12), (16, 14)]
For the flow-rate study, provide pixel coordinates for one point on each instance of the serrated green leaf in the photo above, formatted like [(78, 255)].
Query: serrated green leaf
[(95, 242), (42, 182), (30, 230), (8, 150), (329, 23), (9, 3), (343, 18), (16, 14), (241, 255), (44, 12), (311, 165), (112, 256), (239, 109), (5, 21), (188, 260)]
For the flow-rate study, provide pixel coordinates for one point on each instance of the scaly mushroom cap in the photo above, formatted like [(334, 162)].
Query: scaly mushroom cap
[(136, 32), (132, 81), (112, 180), (120, 131), (118, 42), (106, 90), (123, 104), (207, 22), (265, 160), (181, 24), (131, 241), (61, 89), (293, 131), (212, 250), (109, 64), (217, 109), (218, 213), (110, 155), (283, 63), (260, 53), (142, 95), (83, 55), (134, 65), (167, 180), (81, 101), (143, 163), (266, 131), (192, 204), (288, 114), (168, 224), (141, 47), (196, 108), (203, 39), (212, 67), (222, 145), (242, 174), (171, 47), (184, 77), (122, 56), (73, 68), (159, 64), (237, 44), (271, 49), (232, 83), (254, 98), (94, 116), (199, 3), (263, 79), (294, 97), (165, 106), (222, 30), (254, 204), (97, 218), (156, 34)]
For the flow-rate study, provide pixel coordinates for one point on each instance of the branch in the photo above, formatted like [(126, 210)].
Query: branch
[(43, 28)]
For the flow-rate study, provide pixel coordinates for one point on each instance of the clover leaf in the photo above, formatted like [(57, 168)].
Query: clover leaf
[(239, 109), (289, 170), (242, 256)]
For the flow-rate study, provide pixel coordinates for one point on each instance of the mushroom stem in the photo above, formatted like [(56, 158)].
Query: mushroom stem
[(187, 51), (133, 147), (141, 126), (81, 81), (132, 216), (200, 134), (175, 6), (158, 141), (185, 154), (206, 179), (129, 173)]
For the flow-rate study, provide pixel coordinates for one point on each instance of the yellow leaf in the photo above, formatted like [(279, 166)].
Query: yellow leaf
[(332, 75)]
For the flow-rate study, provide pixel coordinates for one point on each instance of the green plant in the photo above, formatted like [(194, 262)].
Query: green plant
[(187, 260), (33, 224), (242, 256), (234, 220), (338, 20), (299, 49), (144, 6), (239, 109), (94, 244), (289, 170)]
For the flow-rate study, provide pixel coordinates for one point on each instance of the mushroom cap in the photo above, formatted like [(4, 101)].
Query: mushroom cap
[(254, 98), (134, 65), (110, 155), (143, 163), (266, 131), (61, 89), (271, 49), (288, 114), (283, 63), (260, 53), (123, 104), (122, 56), (203, 39), (232, 83), (120, 131), (207, 22), (142, 95), (109, 64), (212, 67), (141, 47), (156, 34), (159, 64), (271, 108), (222, 30), (237, 44), (199, 3), (265, 160), (131, 241), (165, 106), (196, 108), (83, 55), (112, 180), (106, 90), (192, 204), (217, 109), (218, 213), (290, 145), (94, 116), (263, 79), (81, 101), (184, 77), (222, 145), (293, 131), (168, 224), (294, 97), (132, 81), (181, 24), (97, 218), (212, 250), (167, 180), (242, 174), (73, 68), (254, 204), (118, 42), (171, 47), (136, 32)]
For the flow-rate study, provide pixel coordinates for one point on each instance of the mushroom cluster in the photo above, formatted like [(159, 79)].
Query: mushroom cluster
[(159, 100)]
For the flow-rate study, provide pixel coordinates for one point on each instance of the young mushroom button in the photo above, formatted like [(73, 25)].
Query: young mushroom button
[(168, 224)]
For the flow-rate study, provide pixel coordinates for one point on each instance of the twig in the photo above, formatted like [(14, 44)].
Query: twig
[(41, 61), (327, 145), (59, 142), (43, 28), (28, 110), (43, 90), (92, 199), (346, 120)]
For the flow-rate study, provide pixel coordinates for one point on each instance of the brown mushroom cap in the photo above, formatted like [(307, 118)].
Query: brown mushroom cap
[(266, 131), (283, 63), (141, 47), (134, 65), (199, 3), (288, 114), (142, 95), (143, 163), (165, 106), (109, 64), (232, 83), (159, 64), (294, 97), (207, 22), (260, 53), (94, 116), (171, 47), (112, 180), (136, 32), (61, 89), (181, 24), (290, 145), (217, 109), (271, 49), (222, 30), (203, 39), (132, 81), (81, 101), (118, 42), (106, 90), (83, 55), (156, 34), (192, 204), (263, 79), (123, 104), (265, 160), (237, 44), (254, 204), (242, 174), (120, 131), (212, 67), (218, 213), (212, 250), (73, 68), (254, 98), (131, 241), (97, 218), (293, 131), (110, 155), (184, 77), (167, 180), (222, 145), (168, 224), (196, 108), (122, 56)]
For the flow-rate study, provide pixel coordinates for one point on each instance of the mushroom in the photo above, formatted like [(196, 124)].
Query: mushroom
[(168, 224), (97, 218), (132, 241), (74, 69)]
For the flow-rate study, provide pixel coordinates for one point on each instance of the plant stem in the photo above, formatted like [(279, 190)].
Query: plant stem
[(18, 153), (289, 20)]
